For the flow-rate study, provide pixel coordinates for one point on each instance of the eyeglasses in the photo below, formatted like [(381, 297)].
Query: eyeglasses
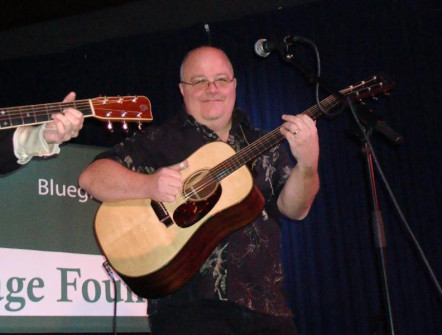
[(205, 83)]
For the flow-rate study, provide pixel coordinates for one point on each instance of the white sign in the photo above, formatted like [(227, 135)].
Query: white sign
[(45, 283)]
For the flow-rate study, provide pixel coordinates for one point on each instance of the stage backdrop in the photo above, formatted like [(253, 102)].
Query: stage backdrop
[(330, 259), (52, 277)]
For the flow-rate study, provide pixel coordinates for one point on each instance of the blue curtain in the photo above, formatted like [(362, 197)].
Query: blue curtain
[(330, 257)]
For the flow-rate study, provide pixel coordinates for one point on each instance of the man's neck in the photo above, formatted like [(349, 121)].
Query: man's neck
[(219, 127), (223, 132), (223, 135)]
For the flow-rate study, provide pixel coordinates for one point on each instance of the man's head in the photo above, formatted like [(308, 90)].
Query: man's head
[(208, 87)]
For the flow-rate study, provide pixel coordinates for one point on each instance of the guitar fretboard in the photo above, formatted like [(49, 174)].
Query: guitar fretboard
[(13, 117)]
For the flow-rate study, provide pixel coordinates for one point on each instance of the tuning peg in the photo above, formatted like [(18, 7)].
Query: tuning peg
[(109, 126), (135, 99), (125, 126), (140, 125)]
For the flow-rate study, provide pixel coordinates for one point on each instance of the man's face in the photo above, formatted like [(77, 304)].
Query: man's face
[(210, 103)]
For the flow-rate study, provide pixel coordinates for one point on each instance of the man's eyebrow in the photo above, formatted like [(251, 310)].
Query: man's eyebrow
[(217, 75), (198, 77)]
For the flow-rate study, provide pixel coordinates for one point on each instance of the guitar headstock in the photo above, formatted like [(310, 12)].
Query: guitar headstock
[(126, 108), (369, 88)]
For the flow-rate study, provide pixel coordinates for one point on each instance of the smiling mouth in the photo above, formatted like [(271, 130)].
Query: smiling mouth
[(213, 100)]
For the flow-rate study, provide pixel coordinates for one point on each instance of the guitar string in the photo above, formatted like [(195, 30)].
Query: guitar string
[(53, 109), (39, 110), (78, 104), (87, 101), (250, 151)]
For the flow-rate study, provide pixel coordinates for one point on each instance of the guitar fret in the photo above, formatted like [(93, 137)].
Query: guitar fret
[(29, 116), (87, 111), (5, 120), (18, 120), (50, 109)]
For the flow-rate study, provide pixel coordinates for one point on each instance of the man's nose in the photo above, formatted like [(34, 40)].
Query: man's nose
[(211, 86)]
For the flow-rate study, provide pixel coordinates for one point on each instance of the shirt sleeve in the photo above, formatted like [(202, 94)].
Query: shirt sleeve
[(8, 161), (29, 142)]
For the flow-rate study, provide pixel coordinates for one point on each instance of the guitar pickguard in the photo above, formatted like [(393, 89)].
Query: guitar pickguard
[(192, 211)]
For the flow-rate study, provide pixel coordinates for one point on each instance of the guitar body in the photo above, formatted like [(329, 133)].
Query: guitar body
[(155, 258)]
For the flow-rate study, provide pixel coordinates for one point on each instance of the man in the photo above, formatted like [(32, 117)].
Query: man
[(239, 289), (17, 147)]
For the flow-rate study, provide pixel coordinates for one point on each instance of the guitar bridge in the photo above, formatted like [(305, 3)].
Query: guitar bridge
[(161, 212)]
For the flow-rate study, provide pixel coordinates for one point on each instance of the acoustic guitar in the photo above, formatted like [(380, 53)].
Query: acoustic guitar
[(157, 247), (124, 109)]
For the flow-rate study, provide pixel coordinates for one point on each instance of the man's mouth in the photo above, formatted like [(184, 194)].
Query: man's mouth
[(214, 99)]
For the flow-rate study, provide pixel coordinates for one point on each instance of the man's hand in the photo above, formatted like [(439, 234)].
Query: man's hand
[(65, 126), (166, 183)]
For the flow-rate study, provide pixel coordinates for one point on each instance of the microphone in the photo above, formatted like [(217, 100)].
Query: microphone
[(264, 47)]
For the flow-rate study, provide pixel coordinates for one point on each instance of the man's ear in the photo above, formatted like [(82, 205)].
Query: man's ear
[(181, 86)]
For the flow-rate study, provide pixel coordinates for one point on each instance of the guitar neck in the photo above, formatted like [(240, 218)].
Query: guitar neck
[(124, 108), (13, 117), (263, 144)]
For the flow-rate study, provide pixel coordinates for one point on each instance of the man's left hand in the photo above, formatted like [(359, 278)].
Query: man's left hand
[(64, 126)]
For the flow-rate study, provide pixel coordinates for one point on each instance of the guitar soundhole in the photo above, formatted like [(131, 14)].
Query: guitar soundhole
[(201, 193)]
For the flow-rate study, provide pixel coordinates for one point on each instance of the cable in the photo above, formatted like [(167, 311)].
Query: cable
[(318, 74), (110, 273)]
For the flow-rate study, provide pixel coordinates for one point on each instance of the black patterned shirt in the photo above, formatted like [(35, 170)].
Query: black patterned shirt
[(245, 268)]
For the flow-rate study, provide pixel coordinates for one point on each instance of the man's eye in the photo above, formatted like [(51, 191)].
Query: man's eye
[(199, 83), (222, 82)]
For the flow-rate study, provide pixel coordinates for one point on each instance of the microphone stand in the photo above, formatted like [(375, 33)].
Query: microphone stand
[(380, 242), (361, 113)]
